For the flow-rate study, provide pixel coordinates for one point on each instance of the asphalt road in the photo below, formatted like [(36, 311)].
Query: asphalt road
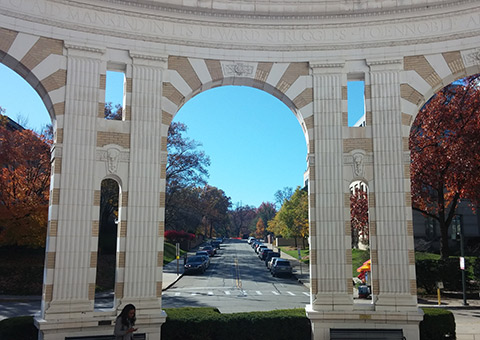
[(236, 281)]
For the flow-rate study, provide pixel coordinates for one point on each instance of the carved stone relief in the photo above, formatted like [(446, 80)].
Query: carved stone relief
[(112, 156)]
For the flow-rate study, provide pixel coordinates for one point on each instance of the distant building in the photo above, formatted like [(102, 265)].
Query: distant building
[(11, 124), (427, 230)]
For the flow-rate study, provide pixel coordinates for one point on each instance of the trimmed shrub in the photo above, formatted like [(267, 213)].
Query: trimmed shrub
[(21, 271), (209, 324), (437, 323), (19, 328), (429, 271)]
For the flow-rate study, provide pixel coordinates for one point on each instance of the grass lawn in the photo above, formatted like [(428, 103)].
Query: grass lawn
[(169, 251), (304, 253), (358, 257), (426, 256)]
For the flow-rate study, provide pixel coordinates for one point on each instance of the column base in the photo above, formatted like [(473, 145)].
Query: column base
[(323, 321), (98, 323)]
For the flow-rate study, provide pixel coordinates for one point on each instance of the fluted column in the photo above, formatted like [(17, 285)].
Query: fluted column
[(393, 270), (329, 239), (68, 288), (143, 272)]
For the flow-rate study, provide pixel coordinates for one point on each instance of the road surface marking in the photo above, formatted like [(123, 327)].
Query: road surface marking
[(227, 292), (177, 294), (307, 294), (259, 292), (210, 293), (291, 293), (276, 293)]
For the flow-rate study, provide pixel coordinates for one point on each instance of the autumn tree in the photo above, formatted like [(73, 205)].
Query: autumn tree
[(445, 154), (186, 174), (260, 229), (24, 185), (291, 221), (184, 211), (214, 205), (113, 112), (282, 195), (359, 215), (266, 212), (241, 218)]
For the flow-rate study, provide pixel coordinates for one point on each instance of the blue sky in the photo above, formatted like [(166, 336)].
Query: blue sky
[(255, 143)]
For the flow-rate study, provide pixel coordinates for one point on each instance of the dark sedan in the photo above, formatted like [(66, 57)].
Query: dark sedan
[(195, 264)]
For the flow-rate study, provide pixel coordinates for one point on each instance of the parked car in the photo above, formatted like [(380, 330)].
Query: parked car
[(259, 248), (211, 251), (251, 239), (194, 264), (215, 244), (271, 255), (206, 257), (263, 253), (282, 267), (272, 262)]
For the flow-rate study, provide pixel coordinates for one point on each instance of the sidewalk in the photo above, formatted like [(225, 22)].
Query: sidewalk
[(13, 305), (171, 273), (467, 318)]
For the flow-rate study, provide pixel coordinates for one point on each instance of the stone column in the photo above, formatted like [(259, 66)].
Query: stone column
[(392, 250), (142, 277), (329, 270), (69, 282)]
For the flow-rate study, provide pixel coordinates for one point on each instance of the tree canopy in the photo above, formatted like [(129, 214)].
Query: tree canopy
[(445, 154), (359, 215), (291, 221), (24, 186)]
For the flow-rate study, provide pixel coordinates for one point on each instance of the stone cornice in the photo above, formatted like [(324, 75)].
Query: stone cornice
[(273, 16), (90, 49), (143, 58), (377, 34)]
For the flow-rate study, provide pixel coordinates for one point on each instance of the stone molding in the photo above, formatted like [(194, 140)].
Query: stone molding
[(440, 23), (344, 11)]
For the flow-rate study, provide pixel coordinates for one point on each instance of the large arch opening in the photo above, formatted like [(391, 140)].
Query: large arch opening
[(25, 183), (443, 142), (250, 136)]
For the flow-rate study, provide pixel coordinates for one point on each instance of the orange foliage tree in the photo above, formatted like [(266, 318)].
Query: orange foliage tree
[(24, 186), (445, 154)]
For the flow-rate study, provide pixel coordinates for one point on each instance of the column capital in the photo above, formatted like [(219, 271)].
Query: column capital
[(148, 59), (78, 50), (327, 66), (385, 64)]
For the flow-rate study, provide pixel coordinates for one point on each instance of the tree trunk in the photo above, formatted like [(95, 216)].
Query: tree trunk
[(444, 247)]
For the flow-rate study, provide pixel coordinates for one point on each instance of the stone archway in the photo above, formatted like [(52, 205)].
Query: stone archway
[(303, 53)]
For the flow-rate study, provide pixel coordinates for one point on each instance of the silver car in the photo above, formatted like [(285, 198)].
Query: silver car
[(282, 267)]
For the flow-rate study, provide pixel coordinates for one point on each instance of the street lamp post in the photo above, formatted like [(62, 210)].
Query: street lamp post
[(462, 263)]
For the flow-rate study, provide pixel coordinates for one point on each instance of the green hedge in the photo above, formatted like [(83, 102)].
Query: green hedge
[(209, 324), (437, 322), (19, 328), (429, 271)]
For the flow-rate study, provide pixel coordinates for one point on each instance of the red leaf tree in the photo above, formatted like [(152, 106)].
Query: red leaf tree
[(174, 236), (445, 154), (24, 186), (359, 215)]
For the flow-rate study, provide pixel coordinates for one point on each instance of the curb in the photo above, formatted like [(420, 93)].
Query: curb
[(20, 298), (172, 283)]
